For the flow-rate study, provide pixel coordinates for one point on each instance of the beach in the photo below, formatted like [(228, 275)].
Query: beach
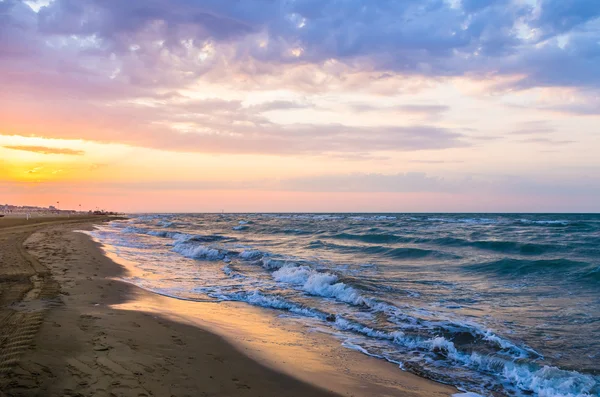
[(70, 327)]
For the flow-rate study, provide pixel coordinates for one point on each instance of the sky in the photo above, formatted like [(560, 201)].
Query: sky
[(301, 105)]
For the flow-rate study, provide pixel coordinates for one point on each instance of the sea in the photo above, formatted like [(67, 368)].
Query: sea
[(495, 304)]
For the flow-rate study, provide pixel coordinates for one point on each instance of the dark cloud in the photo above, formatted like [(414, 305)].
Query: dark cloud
[(560, 16), (569, 62), (148, 39), (46, 150)]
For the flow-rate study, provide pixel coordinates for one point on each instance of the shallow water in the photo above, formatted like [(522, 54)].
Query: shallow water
[(505, 304)]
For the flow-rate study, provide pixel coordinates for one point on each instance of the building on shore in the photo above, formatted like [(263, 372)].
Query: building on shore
[(7, 209)]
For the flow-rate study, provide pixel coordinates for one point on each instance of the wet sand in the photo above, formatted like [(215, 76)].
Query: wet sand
[(69, 327)]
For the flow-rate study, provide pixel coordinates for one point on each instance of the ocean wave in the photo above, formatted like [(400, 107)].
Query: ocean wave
[(177, 236), (520, 267), (210, 238), (396, 253), (145, 218), (167, 234), (372, 238), (562, 224), (414, 253), (522, 248), (542, 222), (592, 275), (310, 217), (251, 254), (318, 283), (516, 376), (295, 231), (373, 218), (328, 285), (315, 271), (257, 298), (271, 264), (198, 251), (511, 246), (474, 221), (135, 230)]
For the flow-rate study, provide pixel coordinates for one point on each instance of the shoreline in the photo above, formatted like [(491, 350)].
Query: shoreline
[(100, 328)]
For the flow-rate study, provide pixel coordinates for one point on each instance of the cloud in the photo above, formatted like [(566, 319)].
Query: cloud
[(536, 127), (95, 166), (222, 126), (547, 141), (279, 105), (435, 161), (430, 110), (298, 139), (46, 150), (565, 185), (166, 43), (35, 170), (102, 56), (408, 182), (557, 16), (427, 109), (402, 182)]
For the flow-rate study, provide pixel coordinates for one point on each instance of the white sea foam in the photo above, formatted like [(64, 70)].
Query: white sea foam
[(550, 381), (318, 283), (545, 381), (197, 251), (521, 352), (271, 264), (227, 270), (544, 222), (384, 217), (134, 229), (258, 299), (347, 325), (475, 221), (167, 234), (250, 254)]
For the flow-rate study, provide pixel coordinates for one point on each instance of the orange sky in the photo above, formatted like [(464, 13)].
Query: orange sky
[(210, 121)]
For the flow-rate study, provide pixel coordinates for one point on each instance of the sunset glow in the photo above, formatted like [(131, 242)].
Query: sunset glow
[(210, 106)]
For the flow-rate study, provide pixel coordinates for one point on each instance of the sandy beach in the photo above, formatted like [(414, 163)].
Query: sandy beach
[(69, 327)]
